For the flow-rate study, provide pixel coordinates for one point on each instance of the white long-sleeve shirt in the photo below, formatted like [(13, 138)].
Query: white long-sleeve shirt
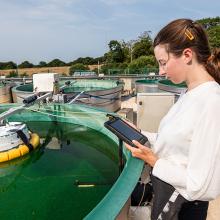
[(188, 144)]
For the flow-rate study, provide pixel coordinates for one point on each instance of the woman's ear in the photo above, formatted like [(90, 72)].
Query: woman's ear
[(187, 55)]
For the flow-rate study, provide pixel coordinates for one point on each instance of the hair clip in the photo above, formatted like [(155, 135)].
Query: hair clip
[(189, 34)]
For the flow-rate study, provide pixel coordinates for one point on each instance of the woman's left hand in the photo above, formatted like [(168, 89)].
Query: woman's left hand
[(142, 152)]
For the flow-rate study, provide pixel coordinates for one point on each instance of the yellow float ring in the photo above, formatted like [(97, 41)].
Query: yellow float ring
[(21, 150)]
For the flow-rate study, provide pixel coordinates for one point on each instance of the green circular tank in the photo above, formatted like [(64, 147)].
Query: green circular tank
[(168, 86), (146, 85), (104, 94), (74, 174)]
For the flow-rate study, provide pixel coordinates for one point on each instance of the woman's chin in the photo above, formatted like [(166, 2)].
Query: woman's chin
[(175, 81)]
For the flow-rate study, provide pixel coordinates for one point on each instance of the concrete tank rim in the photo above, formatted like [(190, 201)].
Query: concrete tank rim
[(146, 81), (117, 86), (167, 85)]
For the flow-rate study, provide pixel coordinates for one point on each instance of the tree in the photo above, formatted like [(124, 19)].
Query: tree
[(7, 65), (212, 26), (128, 48), (115, 55), (77, 67), (101, 59), (23, 74), (87, 60), (214, 36), (12, 74), (56, 63), (25, 64), (42, 64), (143, 46), (143, 61), (209, 22)]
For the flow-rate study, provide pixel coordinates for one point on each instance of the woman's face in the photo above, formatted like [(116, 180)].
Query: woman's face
[(170, 66)]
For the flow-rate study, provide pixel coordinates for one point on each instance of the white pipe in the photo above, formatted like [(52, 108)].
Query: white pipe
[(12, 111), (73, 100)]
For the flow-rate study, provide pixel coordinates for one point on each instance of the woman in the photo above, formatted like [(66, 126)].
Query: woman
[(185, 156)]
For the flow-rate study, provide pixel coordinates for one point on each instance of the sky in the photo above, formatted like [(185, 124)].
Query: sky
[(43, 30)]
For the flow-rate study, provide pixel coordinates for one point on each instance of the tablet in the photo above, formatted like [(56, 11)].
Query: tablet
[(124, 131)]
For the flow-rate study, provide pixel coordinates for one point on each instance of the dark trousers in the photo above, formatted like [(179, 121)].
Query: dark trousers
[(181, 209), (196, 210)]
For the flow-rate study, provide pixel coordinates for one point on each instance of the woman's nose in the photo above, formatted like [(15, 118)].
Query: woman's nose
[(162, 72)]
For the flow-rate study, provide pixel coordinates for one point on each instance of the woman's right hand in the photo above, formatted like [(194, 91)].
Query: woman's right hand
[(142, 152)]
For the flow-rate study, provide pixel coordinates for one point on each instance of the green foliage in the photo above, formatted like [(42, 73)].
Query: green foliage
[(56, 63), (88, 60), (77, 67), (212, 26), (126, 47), (214, 36), (12, 74), (143, 47), (85, 61), (122, 65), (209, 22), (25, 64), (23, 74), (42, 64), (105, 67), (125, 52), (142, 65), (116, 53), (95, 70), (101, 59), (143, 61), (136, 71), (118, 67), (7, 65)]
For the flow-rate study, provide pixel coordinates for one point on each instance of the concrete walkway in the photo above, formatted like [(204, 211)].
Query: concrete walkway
[(214, 210), (130, 102)]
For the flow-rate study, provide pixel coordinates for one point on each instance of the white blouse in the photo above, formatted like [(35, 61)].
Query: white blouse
[(188, 144)]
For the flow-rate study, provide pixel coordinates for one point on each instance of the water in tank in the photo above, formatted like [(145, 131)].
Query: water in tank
[(69, 174)]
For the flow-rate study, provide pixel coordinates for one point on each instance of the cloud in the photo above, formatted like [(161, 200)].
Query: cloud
[(46, 29), (121, 2)]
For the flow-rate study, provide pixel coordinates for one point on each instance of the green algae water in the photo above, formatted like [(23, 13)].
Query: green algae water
[(63, 179)]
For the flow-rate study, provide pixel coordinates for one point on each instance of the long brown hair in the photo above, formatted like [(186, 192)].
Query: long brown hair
[(184, 33)]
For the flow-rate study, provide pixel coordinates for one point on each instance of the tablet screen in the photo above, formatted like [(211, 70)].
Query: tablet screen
[(125, 130)]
